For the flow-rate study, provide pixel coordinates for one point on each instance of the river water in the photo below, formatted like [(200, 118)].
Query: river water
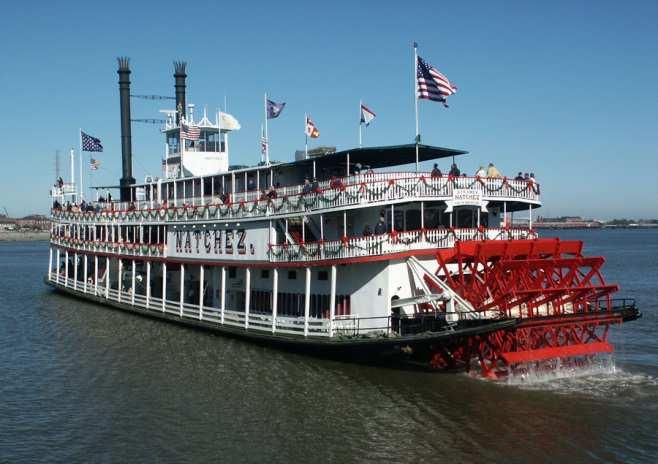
[(83, 383)]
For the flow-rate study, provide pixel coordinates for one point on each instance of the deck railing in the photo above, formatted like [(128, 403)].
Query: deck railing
[(376, 188), (118, 248), (374, 245)]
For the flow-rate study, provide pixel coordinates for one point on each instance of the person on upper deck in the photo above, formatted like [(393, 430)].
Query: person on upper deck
[(380, 227), (436, 172), (315, 186), (493, 172), (481, 172), (307, 187), (519, 176), (271, 193), (454, 170), (367, 231), (526, 176)]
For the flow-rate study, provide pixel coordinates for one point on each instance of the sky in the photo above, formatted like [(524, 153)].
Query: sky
[(564, 89)]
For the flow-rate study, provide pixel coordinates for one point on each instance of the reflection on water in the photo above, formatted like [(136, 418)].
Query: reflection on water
[(84, 383)]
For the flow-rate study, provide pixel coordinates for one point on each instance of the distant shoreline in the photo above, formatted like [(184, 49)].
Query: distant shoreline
[(21, 236)]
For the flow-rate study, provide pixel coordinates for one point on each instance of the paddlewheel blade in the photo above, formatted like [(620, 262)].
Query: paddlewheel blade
[(562, 304)]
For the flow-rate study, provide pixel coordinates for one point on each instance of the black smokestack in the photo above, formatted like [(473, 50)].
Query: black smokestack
[(179, 76), (126, 140)]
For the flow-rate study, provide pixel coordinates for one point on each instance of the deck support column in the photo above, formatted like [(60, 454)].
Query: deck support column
[(182, 288), (504, 214), (95, 274), (164, 286), (148, 284), (84, 274), (275, 297), (222, 296), (75, 271), (107, 277), (247, 296), (530, 217), (332, 300), (120, 280), (307, 299), (50, 262), (66, 268), (132, 290), (201, 291), (58, 257)]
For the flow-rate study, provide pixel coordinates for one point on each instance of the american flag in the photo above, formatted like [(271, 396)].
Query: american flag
[(431, 84), (90, 143), (94, 164), (189, 132), (263, 144)]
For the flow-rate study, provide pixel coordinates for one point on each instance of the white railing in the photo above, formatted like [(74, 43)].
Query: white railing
[(375, 188), (377, 245), (254, 321), (117, 248)]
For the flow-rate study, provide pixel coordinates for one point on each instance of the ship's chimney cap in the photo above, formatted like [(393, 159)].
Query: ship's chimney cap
[(124, 63), (179, 68)]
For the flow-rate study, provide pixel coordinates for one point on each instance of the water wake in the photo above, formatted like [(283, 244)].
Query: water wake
[(598, 377)]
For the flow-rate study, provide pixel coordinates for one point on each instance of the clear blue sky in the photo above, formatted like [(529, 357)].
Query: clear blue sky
[(566, 89)]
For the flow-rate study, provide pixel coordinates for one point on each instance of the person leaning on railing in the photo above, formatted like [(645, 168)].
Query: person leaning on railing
[(436, 172)]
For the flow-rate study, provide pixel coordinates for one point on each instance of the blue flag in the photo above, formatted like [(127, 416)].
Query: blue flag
[(274, 109)]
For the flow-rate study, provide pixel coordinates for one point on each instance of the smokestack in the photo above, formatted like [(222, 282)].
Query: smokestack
[(179, 76), (126, 141)]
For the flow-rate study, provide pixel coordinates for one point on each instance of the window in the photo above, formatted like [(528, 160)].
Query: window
[(264, 273), (323, 275), (292, 275), (232, 273)]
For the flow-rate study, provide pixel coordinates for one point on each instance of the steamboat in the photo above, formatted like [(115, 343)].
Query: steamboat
[(368, 262)]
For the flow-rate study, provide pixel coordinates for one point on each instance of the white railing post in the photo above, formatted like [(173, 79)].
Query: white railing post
[(307, 299), (84, 274), (275, 297), (132, 290), (75, 271), (247, 296), (50, 262), (201, 288), (58, 257), (107, 277), (120, 281), (332, 301), (95, 274), (164, 286), (222, 296), (182, 288), (148, 282)]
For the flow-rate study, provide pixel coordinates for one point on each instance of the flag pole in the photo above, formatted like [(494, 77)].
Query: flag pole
[(415, 81), (267, 135), (305, 136), (360, 139), (82, 194)]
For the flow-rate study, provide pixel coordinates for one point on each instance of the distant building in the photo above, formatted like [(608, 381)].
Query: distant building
[(34, 221), (567, 222)]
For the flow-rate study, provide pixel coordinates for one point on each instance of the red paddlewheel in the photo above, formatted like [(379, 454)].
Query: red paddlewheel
[(559, 297), (534, 342), (525, 278)]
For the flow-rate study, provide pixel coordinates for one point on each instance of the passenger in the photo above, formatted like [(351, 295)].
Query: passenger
[(436, 172), (263, 195), (109, 197), (380, 227), (56, 205), (315, 186), (519, 176), (367, 231), (481, 172), (307, 187), (493, 172), (131, 206), (271, 193), (60, 182), (357, 168), (454, 170), (532, 178), (526, 176)]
